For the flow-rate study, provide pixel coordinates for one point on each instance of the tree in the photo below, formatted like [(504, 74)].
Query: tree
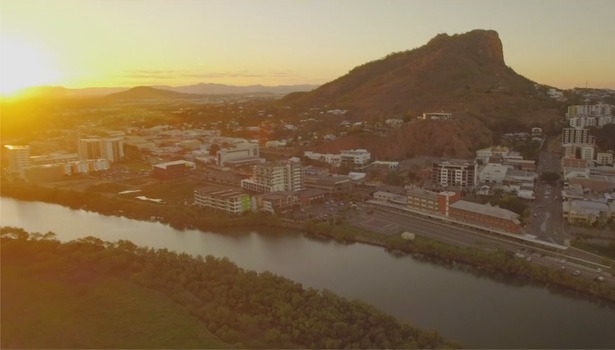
[(550, 177)]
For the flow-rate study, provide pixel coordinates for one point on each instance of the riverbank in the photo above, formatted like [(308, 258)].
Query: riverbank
[(241, 308), (190, 217)]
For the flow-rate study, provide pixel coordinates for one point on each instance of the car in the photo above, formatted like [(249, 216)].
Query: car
[(562, 261), (576, 273), (535, 214)]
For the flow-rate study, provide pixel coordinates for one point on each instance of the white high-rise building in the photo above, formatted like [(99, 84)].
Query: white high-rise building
[(574, 135), (89, 148), (19, 159), (113, 149), (275, 177)]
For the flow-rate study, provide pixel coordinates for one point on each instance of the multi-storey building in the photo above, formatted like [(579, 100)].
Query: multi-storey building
[(225, 200), (604, 158), (90, 148), (19, 159), (275, 177), (111, 149), (276, 202), (578, 136), (331, 184), (355, 157), (430, 201), (242, 153), (454, 173), (600, 109), (587, 152)]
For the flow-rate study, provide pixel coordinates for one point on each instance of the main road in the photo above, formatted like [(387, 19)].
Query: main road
[(390, 222)]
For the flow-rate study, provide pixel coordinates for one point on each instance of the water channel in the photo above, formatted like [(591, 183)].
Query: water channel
[(479, 312)]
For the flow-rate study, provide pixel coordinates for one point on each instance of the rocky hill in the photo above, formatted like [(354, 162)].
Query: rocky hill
[(464, 74)]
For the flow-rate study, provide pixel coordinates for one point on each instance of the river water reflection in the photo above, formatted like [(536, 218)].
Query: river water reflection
[(477, 311)]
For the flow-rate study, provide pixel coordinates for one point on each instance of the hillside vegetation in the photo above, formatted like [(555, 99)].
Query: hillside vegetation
[(87, 290)]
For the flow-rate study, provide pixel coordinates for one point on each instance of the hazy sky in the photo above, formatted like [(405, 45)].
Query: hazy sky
[(78, 43)]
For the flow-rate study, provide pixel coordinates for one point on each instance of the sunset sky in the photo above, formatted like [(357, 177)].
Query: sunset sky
[(84, 43)]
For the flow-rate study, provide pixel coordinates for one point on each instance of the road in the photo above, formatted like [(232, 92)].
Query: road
[(546, 220), (392, 222)]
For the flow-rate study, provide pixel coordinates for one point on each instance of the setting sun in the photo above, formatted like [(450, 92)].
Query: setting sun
[(24, 65)]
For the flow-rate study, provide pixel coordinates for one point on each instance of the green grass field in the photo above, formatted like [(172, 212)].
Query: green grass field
[(48, 312)]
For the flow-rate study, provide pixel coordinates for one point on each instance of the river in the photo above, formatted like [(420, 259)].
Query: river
[(477, 311)]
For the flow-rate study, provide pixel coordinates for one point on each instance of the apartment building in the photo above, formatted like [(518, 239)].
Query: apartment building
[(275, 177), (224, 200), (111, 149), (604, 158), (19, 159), (575, 135), (275, 202), (355, 157), (454, 173)]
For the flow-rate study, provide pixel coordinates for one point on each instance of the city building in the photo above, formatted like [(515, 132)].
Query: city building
[(437, 115), (242, 153), (578, 136), (172, 170), (225, 200), (19, 159), (454, 173), (275, 177), (604, 158), (536, 131), (355, 157), (492, 173), (587, 152), (588, 212), (275, 202), (113, 149), (329, 158), (596, 110), (89, 148), (331, 184), (485, 215), (430, 201)]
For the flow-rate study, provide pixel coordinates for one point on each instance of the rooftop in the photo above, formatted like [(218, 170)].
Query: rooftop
[(485, 209)]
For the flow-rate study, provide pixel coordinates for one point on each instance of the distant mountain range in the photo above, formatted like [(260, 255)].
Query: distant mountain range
[(221, 89), (153, 91), (150, 93)]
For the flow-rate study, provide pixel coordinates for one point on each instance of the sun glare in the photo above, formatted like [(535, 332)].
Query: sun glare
[(23, 65)]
